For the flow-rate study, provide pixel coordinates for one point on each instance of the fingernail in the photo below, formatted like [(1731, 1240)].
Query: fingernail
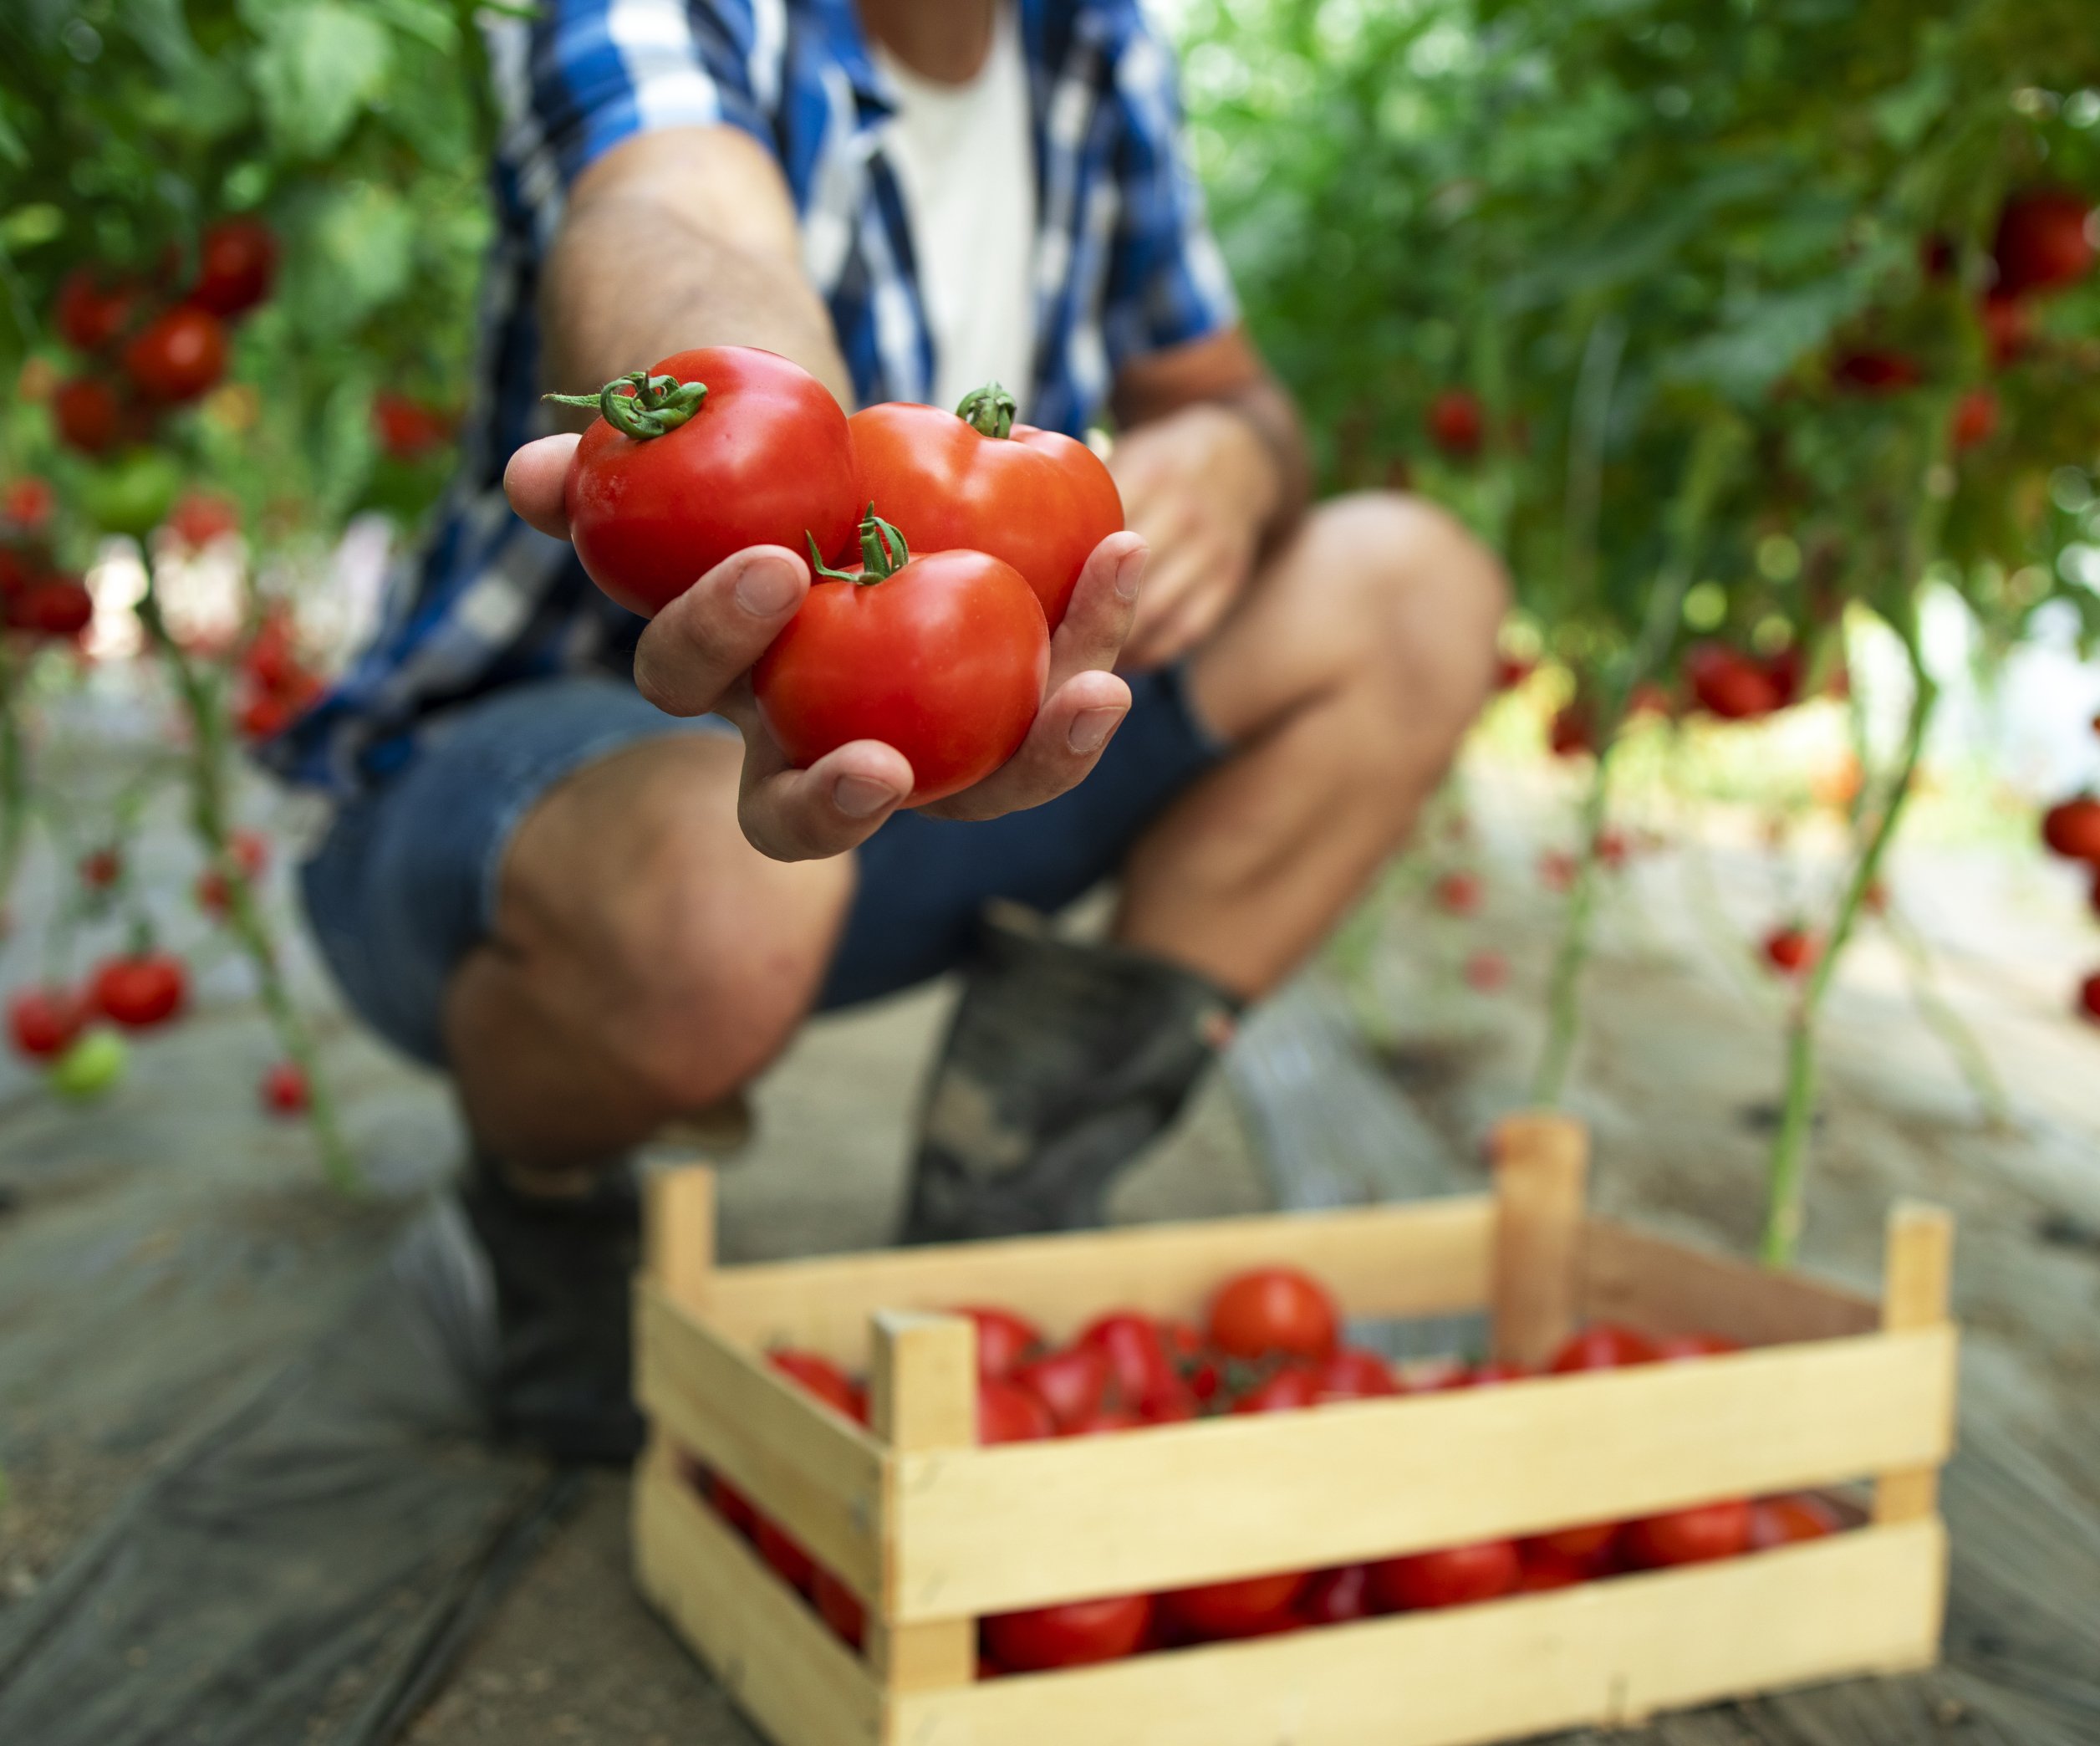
[(1090, 730), (861, 797), (1129, 573), (767, 587)]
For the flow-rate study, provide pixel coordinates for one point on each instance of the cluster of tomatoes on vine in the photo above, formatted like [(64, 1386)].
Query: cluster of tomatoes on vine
[(38, 600), (2072, 828), (73, 1031), (274, 683), (1271, 1342)]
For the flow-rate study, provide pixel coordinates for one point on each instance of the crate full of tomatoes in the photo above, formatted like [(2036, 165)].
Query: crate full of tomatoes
[(1141, 1485)]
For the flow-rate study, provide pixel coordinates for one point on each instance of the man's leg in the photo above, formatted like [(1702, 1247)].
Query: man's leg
[(1344, 681)]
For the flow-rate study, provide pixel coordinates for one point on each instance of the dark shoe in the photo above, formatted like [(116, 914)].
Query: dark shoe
[(563, 1270), (1063, 1062)]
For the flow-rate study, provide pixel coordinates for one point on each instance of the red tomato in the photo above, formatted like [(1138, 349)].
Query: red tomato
[(283, 1090), (1459, 894), (1876, 371), (1790, 950), (2072, 828), (1491, 1376), (764, 459), (27, 503), (263, 716), (1338, 1597), (838, 1607), (92, 309), (1681, 1346), (43, 1022), (140, 991), (1072, 1383), (177, 355), (1249, 1606), (942, 656), (1146, 1381), (1199, 1368), (1585, 1545), (1975, 418), (2044, 242), (1273, 1310), (973, 480), (250, 850), (100, 869), (272, 658), (2088, 1002), (2007, 322), (1008, 1413), (57, 606), (1289, 1391), (1004, 1339), (1545, 1571), (1784, 1520), (237, 265), (1353, 1374), (780, 1549), (1450, 1576), (1511, 672), (1102, 1421), (407, 429), (819, 1376), (1601, 1345), (1697, 1535), (732, 1506), (200, 516), (1730, 685), (1456, 423), (88, 413), (1078, 1634)]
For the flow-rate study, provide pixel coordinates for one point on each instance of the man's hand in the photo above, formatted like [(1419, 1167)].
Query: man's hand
[(697, 655), (1200, 486)]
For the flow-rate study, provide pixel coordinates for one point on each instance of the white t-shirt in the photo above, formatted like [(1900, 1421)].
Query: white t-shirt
[(965, 158)]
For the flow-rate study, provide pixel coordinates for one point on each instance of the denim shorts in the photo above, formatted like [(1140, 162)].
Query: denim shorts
[(406, 882)]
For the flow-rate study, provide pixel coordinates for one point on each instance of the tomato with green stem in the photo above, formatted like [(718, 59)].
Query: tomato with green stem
[(944, 657), (707, 453), (974, 480)]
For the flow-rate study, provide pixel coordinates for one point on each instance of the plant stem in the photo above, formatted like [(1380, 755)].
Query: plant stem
[(14, 776), (208, 814), (1955, 1036), (1790, 1147), (1563, 1013)]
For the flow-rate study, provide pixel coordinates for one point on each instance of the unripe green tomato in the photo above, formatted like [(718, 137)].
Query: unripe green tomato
[(92, 1066), (133, 494)]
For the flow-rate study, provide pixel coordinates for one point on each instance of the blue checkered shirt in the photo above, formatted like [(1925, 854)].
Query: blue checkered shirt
[(1124, 265)]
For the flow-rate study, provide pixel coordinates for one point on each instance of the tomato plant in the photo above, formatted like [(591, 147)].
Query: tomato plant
[(974, 480), (1274, 1310), (706, 453), (943, 656)]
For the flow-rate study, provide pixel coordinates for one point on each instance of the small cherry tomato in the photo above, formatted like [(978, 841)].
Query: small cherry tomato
[(1492, 1375), (1249, 1606), (1338, 1597), (283, 1090), (1875, 371), (94, 1065), (178, 355), (1457, 423), (57, 607), (1697, 1535), (43, 1022), (101, 868), (1603, 1345), (27, 503), (237, 265), (1076, 1634), (142, 990), (1449, 1576), (92, 308), (1004, 1339), (406, 428), (1274, 1310), (1783, 1521), (1008, 1413), (2044, 242), (1975, 421), (1072, 1383), (1727, 683), (88, 413), (1791, 950)]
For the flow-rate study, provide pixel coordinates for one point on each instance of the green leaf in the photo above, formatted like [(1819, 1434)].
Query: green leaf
[(320, 64), (358, 252), (423, 19)]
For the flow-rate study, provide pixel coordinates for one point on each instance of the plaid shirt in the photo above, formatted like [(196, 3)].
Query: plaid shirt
[(1124, 265)]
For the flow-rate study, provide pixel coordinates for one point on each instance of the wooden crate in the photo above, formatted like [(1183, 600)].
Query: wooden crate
[(931, 1532)]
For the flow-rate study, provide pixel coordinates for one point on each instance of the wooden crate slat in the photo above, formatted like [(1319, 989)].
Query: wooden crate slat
[(1429, 1258), (1664, 1287), (988, 1530), (772, 1654), (819, 1476), (1608, 1652)]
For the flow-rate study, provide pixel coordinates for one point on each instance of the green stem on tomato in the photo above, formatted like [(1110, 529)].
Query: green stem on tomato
[(652, 405), (208, 815), (988, 411)]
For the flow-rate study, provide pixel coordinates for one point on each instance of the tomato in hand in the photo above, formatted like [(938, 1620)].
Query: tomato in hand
[(1784, 1521), (140, 991), (1338, 1597), (88, 413), (177, 355), (237, 265), (1697, 1535), (1248, 1606), (973, 480), (1008, 1413), (1353, 1374), (43, 1022), (1290, 1390), (1603, 1345), (283, 1090), (1004, 1340), (1449, 1576), (942, 656), (1273, 1310), (1076, 1634), (1146, 1379), (708, 453), (1072, 1383)]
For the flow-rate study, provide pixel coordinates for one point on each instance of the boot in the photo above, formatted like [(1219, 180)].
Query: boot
[(1063, 1062)]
